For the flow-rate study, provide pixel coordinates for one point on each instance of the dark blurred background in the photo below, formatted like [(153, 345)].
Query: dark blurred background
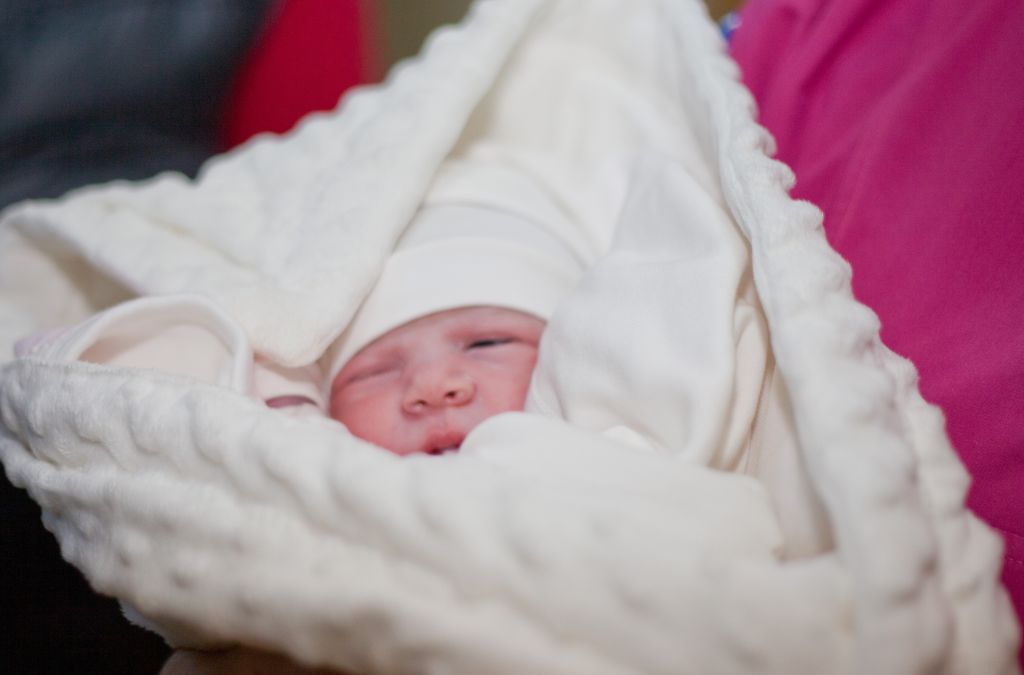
[(404, 23)]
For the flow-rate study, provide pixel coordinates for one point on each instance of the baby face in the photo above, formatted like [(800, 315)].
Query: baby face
[(422, 387)]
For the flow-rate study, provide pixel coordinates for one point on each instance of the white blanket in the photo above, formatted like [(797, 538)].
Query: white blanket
[(608, 531)]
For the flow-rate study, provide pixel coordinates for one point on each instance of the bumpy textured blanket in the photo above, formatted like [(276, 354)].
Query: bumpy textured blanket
[(722, 469)]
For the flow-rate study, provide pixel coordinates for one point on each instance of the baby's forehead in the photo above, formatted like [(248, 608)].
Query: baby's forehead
[(475, 317), (475, 314)]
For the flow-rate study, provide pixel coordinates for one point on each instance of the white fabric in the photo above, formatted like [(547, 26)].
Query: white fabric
[(612, 543), (484, 236), (186, 336), (180, 335)]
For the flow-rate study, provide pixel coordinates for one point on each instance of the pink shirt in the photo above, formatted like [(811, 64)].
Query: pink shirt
[(904, 122)]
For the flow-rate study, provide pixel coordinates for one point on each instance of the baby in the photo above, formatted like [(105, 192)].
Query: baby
[(424, 385), (447, 337)]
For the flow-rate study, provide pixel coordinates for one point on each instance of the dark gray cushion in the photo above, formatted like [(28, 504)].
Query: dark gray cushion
[(92, 90)]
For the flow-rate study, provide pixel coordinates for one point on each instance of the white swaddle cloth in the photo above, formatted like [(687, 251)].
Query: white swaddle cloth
[(485, 235), (612, 533)]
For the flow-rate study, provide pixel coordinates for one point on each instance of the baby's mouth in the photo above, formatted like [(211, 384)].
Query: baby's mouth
[(443, 442)]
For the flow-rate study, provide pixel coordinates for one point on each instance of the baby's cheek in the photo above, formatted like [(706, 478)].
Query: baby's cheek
[(509, 390), (336, 408), (367, 418), (354, 413), (524, 374)]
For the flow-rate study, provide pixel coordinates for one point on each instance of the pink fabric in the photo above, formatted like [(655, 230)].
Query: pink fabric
[(904, 122), (310, 53)]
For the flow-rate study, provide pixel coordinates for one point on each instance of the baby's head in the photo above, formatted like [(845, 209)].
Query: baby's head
[(421, 387), (448, 336)]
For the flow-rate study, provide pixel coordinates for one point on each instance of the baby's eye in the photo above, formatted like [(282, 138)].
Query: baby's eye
[(488, 342), (371, 372)]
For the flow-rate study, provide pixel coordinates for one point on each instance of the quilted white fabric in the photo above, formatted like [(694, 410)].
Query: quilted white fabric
[(619, 527)]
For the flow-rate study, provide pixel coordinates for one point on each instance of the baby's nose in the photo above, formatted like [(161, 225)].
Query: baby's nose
[(439, 391)]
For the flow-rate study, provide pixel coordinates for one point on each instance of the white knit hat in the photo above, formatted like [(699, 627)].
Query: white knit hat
[(484, 236)]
